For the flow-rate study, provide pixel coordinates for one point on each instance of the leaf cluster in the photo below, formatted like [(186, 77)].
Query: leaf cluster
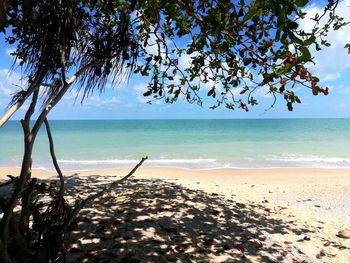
[(188, 49), (232, 50)]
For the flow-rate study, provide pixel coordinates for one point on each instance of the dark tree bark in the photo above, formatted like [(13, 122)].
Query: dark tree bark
[(53, 157), (22, 181)]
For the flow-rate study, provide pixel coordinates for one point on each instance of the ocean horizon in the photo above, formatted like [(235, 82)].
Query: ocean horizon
[(185, 143)]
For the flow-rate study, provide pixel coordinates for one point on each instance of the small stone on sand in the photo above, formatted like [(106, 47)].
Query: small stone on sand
[(344, 234)]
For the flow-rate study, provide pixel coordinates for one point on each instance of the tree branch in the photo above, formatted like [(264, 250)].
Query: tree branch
[(108, 188), (53, 156), (34, 85), (61, 93)]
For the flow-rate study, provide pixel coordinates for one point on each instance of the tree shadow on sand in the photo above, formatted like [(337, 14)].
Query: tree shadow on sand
[(161, 221)]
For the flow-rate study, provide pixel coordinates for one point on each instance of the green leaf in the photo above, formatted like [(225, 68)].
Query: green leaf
[(306, 55), (284, 70), (310, 40), (147, 93), (280, 71), (278, 34), (347, 46), (251, 13), (301, 3), (293, 25), (211, 93), (316, 79), (298, 40)]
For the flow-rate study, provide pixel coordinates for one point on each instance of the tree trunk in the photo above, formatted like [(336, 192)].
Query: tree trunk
[(27, 203), (4, 256), (23, 178), (8, 213), (29, 139)]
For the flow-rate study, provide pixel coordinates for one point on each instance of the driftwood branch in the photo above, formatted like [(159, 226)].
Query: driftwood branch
[(112, 185), (12, 180), (107, 189)]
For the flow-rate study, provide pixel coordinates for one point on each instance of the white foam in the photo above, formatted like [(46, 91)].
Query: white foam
[(312, 159), (271, 161), (159, 161)]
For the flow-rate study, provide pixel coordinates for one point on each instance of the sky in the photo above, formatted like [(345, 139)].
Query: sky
[(126, 101)]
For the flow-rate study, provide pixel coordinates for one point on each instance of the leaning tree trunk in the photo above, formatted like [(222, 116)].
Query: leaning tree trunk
[(9, 225), (8, 222), (25, 173)]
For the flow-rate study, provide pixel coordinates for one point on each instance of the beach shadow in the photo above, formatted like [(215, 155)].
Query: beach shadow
[(161, 221)]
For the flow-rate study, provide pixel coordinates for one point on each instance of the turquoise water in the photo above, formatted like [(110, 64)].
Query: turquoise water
[(198, 144)]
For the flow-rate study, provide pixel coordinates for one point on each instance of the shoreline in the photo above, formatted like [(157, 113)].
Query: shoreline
[(220, 176), (52, 170)]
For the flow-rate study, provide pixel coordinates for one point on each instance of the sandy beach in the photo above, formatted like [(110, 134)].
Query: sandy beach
[(219, 215)]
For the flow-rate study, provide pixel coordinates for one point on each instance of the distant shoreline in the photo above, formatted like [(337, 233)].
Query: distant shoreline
[(234, 170)]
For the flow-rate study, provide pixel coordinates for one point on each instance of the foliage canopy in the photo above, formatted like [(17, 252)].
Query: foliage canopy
[(231, 48)]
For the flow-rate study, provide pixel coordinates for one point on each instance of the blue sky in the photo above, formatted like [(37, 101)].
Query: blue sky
[(126, 100)]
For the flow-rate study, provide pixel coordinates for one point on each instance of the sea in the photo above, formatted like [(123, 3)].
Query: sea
[(192, 144)]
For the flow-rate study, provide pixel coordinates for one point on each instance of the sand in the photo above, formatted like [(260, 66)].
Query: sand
[(223, 215)]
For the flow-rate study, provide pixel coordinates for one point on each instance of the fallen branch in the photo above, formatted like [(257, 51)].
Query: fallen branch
[(108, 188), (12, 180)]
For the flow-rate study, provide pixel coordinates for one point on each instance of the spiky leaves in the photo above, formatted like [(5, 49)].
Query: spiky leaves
[(54, 38)]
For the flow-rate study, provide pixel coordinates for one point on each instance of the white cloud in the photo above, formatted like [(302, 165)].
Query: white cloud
[(332, 61), (341, 89), (156, 48), (185, 60), (139, 89), (263, 92), (72, 98), (9, 51), (345, 90), (343, 105), (10, 82), (97, 101)]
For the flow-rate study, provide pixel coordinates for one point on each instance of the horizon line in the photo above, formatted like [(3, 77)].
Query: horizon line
[(136, 119)]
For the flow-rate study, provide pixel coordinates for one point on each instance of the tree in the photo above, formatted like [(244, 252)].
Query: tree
[(234, 49)]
